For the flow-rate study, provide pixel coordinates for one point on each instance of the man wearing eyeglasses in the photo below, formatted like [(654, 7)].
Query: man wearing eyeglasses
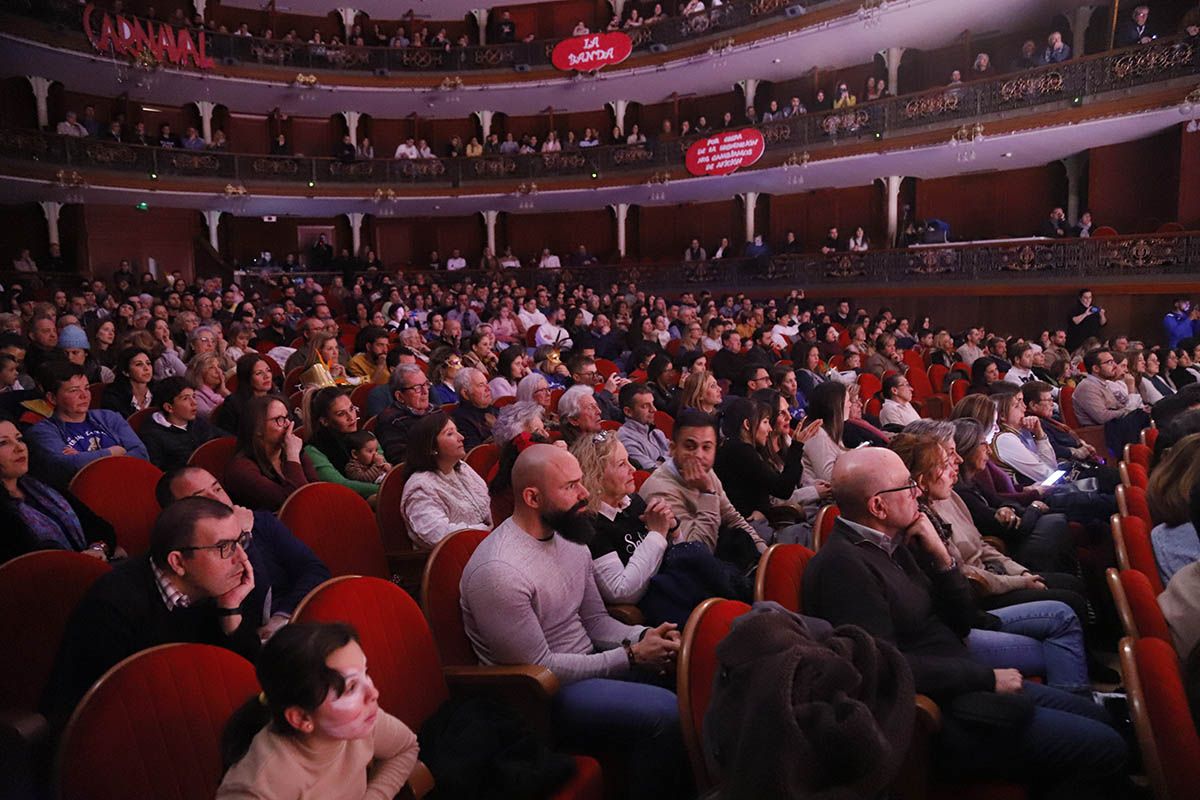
[(1096, 403), (195, 585), (410, 402)]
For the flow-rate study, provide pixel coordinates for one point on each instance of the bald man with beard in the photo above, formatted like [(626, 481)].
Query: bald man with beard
[(529, 596), (885, 569)]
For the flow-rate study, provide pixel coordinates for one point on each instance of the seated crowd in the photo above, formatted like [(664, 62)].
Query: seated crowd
[(636, 457)]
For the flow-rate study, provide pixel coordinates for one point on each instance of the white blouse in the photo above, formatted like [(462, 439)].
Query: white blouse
[(435, 504)]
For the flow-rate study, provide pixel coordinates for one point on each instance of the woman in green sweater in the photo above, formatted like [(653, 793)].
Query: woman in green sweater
[(329, 417)]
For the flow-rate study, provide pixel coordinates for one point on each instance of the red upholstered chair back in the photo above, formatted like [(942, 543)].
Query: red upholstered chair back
[(393, 530), (610, 425), (97, 390), (339, 526), (781, 575), (1137, 475), (151, 726), (394, 636), (639, 477), (38, 592), (1159, 706), (1131, 502), (1131, 536), (824, 524), (706, 627), (1067, 406), (605, 367), (1143, 603), (873, 406), (121, 490), (1140, 454), (482, 458), (359, 397), (440, 596), (958, 389), (501, 402), (917, 378), (1149, 437), (138, 418), (868, 385), (937, 376), (214, 455), (665, 423)]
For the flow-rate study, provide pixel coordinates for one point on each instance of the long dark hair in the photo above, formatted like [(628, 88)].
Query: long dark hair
[(250, 431), (245, 371), (421, 453), (828, 404), (333, 444), (505, 364), (292, 672), (743, 411)]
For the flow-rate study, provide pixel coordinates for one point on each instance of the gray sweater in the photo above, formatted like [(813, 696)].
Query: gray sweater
[(527, 601)]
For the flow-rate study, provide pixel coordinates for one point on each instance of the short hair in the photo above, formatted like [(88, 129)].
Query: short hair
[(569, 405), (940, 429), (54, 373), (630, 391), (889, 385), (176, 525), (1032, 392), (357, 440), (462, 380), (693, 418), (531, 383), (368, 335), (514, 419), (170, 388), (727, 334), (968, 433), (401, 375), (162, 490), (1092, 357), (577, 361), (922, 455), (1018, 350)]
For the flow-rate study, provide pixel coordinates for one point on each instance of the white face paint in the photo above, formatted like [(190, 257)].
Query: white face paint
[(352, 714)]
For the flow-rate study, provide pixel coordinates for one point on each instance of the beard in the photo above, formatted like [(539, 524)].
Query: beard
[(573, 524)]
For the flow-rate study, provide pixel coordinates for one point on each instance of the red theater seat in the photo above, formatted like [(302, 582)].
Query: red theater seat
[(1158, 705), (781, 574), (824, 524), (1131, 539), (1137, 605), (121, 490), (339, 526), (214, 455)]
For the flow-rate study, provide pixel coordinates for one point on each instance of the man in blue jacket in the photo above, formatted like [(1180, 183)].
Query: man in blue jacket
[(1182, 322), (76, 435), (281, 562)]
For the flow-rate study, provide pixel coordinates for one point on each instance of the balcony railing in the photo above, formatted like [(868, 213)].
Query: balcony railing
[(1030, 261), (231, 49), (1021, 91)]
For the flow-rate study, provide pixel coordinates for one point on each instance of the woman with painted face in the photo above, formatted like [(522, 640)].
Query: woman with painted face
[(316, 730)]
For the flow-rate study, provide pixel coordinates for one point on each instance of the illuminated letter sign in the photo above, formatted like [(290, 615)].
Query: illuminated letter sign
[(726, 152), (590, 53), (133, 37)]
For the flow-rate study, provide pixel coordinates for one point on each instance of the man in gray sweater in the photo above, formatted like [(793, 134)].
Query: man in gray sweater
[(529, 597)]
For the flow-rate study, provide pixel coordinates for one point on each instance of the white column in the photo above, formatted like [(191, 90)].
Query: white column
[(1074, 167), (348, 15), (750, 200), (891, 186), (621, 211), (1083, 17), (485, 121), (481, 19), (891, 59), (212, 218), (352, 118), (749, 89), (619, 107), (41, 93), (200, 6), (489, 220), (356, 221), (206, 108), (618, 7), (51, 209)]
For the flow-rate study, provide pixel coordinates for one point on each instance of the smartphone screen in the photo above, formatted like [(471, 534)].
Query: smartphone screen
[(1054, 478)]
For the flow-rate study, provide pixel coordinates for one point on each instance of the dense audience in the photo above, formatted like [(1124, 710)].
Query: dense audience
[(632, 465)]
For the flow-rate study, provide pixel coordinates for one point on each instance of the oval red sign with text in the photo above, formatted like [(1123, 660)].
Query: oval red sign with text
[(590, 53), (726, 152)]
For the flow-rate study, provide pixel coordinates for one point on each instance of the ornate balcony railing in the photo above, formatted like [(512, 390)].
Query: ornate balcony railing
[(231, 49), (1030, 261), (1022, 91)]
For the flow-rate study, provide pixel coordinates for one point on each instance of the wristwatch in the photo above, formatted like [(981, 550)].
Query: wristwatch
[(229, 612), (628, 647)]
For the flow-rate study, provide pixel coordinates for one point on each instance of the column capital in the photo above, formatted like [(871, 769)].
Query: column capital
[(481, 19), (200, 6), (41, 94), (212, 218), (348, 16), (485, 121), (749, 87), (51, 209)]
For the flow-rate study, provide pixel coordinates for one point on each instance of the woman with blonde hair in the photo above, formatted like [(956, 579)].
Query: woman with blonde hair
[(323, 355), (631, 535), (701, 391), (1172, 484), (205, 372)]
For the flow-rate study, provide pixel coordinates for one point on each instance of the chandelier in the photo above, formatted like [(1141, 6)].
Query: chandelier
[(138, 71), (71, 184), (871, 11), (964, 141)]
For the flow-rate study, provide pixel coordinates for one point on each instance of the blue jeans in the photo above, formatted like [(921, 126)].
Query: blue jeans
[(1069, 744), (638, 719), (1042, 638)]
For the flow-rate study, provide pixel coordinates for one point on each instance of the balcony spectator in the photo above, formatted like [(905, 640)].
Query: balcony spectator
[(982, 68), (508, 260), (219, 142), (474, 149), (1057, 51), (773, 113), (113, 133), (795, 107), (614, 24), (166, 139), (366, 150), (832, 243), (658, 16), (280, 146), (1136, 29), (506, 29), (548, 260), (843, 98), (727, 120), (635, 19), (24, 262), (695, 252), (192, 140), (510, 147), (692, 7), (1054, 226), (1028, 59), (955, 78), (882, 86), (635, 137), (89, 121), (702, 127), (751, 115), (552, 143), (580, 29), (423, 150), (406, 149), (71, 126), (582, 258), (859, 243), (1085, 227), (400, 38), (454, 148), (871, 90), (821, 102)]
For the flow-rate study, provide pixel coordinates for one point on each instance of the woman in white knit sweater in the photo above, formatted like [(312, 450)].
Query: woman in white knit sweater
[(442, 494)]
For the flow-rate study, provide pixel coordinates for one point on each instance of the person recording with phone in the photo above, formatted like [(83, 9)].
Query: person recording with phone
[(1086, 320)]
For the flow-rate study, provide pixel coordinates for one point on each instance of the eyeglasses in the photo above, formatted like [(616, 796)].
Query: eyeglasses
[(911, 486), (417, 387), (226, 547), (280, 421)]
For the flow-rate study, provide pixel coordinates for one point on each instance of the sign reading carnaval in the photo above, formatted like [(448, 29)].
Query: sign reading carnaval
[(725, 153), (590, 53), (137, 38)]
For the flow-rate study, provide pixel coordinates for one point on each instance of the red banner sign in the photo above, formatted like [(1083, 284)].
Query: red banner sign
[(590, 53), (139, 39), (726, 152)]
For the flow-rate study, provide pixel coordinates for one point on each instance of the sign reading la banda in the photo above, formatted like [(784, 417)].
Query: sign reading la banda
[(590, 53), (133, 37), (726, 152)]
